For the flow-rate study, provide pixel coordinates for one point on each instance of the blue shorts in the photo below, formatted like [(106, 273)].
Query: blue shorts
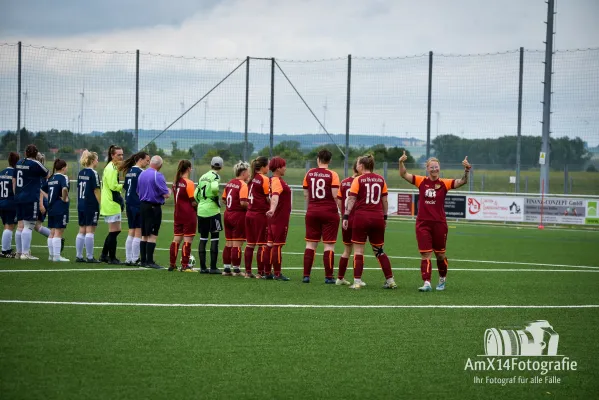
[(58, 221), (9, 217), (133, 217), (27, 211), (88, 218)]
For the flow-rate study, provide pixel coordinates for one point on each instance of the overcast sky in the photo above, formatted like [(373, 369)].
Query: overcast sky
[(298, 28), (476, 97)]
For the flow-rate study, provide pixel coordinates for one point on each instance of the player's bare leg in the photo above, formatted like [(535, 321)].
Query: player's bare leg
[(425, 271)]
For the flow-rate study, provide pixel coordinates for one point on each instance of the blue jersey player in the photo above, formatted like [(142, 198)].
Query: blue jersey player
[(27, 176), (88, 206), (58, 208), (133, 166), (8, 210)]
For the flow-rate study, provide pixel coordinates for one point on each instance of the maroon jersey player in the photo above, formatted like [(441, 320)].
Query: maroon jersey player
[(235, 197), (368, 200), (431, 226), (322, 217), (342, 198), (185, 223), (278, 218), (256, 223)]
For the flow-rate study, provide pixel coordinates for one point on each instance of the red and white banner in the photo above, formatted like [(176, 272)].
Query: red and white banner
[(495, 208)]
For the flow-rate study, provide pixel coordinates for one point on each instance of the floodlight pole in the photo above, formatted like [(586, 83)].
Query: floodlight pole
[(272, 103), (19, 101), (247, 99), (544, 181), (346, 161)]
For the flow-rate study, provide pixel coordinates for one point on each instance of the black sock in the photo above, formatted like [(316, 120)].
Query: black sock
[(142, 251), (150, 249), (106, 247), (202, 252), (113, 244), (213, 253)]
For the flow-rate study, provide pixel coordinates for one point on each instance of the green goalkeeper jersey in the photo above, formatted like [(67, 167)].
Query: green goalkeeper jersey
[(206, 194)]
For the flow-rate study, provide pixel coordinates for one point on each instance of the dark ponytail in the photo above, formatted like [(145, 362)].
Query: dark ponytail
[(111, 150), (58, 165), (367, 162), (258, 163), (13, 158), (132, 160), (183, 166)]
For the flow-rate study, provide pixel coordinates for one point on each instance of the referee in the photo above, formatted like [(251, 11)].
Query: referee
[(209, 219), (152, 191)]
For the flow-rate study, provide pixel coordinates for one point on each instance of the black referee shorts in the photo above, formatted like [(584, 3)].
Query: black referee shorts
[(209, 225), (151, 218)]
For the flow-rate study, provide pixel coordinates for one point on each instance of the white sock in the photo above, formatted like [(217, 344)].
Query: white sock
[(427, 283), (80, 244), (26, 240), (89, 245), (357, 280), (44, 231), (51, 247), (390, 280), (6, 240), (129, 249), (57, 243), (18, 241), (135, 249), (442, 279)]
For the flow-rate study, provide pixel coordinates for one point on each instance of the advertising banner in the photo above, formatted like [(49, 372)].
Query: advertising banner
[(495, 208), (455, 206), (556, 210), (405, 206), (592, 213)]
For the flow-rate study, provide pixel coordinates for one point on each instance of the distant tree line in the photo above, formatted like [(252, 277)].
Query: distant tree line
[(451, 149)]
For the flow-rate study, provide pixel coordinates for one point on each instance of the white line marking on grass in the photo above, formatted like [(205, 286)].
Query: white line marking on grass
[(418, 258), (73, 269), (474, 306)]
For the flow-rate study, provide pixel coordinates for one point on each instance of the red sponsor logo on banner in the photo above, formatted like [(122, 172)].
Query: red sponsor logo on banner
[(473, 206)]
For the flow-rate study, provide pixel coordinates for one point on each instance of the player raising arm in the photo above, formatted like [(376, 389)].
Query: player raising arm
[(322, 218), (368, 200), (431, 225)]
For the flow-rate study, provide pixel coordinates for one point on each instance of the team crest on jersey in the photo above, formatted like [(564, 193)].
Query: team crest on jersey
[(437, 186), (430, 193)]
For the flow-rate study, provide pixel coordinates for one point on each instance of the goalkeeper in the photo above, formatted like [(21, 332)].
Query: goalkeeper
[(209, 219)]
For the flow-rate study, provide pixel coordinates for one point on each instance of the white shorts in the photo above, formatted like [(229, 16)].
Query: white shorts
[(112, 218)]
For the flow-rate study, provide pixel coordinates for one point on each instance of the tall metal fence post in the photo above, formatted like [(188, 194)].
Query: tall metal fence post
[(272, 103), (346, 161), (428, 114), (566, 179), (519, 139), (247, 104), (526, 184), (471, 181), (18, 132), (385, 169), (136, 101), (544, 176)]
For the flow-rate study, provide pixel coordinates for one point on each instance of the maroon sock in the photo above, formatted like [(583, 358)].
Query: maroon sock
[(174, 251), (277, 259), (342, 267), (248, 256), (425, 269), (260, 260), (268, 254), (328, 259), (442, 267), (358, 265), (236, 256), (227, 255), (385, 265), (308, 261), (186, 253)]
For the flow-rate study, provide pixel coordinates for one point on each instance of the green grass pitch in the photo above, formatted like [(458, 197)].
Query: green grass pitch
[(131, 342)]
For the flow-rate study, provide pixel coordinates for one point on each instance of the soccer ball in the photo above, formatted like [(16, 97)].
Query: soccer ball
[(192, 261)]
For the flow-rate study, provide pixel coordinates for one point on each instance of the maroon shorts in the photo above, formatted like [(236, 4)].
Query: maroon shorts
[(256, 225), (368, 226), (235, 225), (188, 228), (323, 225), (277, 231), (347, 233), (431, 236)]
